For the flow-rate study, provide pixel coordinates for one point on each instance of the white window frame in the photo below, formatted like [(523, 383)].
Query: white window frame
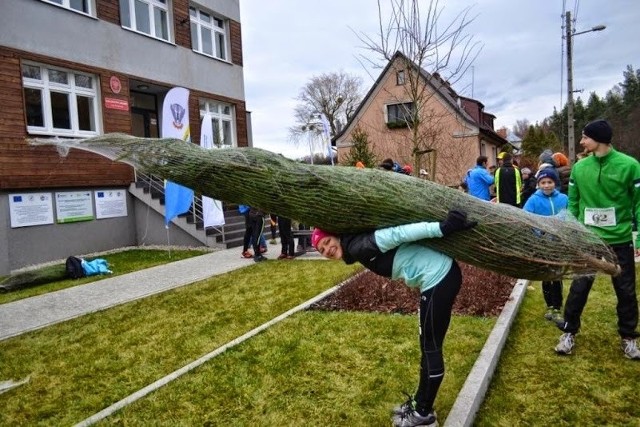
[(216, 109), (196, 19), (151, 6), (66, 4), (406, 118), (71, 90)]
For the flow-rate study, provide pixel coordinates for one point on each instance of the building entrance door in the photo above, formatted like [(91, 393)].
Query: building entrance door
[(144, 123), (144, 115)]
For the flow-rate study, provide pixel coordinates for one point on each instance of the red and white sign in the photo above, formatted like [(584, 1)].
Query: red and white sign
[(114, 83), (116, 104)]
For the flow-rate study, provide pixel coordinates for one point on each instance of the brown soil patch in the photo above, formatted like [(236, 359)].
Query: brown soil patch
[(483, 293)]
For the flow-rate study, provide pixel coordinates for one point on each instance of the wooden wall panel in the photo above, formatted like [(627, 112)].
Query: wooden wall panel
[(236, 42), (115, 120), (12, 123), (194, 117), (108, 10), (181, 23), (27, 167)]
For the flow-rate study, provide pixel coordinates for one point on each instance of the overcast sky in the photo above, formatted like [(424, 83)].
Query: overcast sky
[(517, 75)]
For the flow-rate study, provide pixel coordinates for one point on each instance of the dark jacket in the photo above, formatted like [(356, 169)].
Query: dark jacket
[(529, 187), (508, 184), (362, 248), (564, 173)]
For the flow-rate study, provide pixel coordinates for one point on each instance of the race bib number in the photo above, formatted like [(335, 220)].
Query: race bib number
[(600, 217)]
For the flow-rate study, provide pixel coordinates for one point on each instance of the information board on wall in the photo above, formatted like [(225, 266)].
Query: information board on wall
[(74, 206), (111, 203), (28, 209)]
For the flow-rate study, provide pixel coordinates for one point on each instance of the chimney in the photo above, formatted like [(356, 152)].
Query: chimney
[(502, 132)]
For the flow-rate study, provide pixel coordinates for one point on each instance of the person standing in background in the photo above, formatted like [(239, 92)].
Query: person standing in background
[(529, 184), (548, 201), (479, 180), (604, 195), (286, 238), (508, 182)]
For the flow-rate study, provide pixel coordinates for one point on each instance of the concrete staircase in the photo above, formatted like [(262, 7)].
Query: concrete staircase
[(150, 190)]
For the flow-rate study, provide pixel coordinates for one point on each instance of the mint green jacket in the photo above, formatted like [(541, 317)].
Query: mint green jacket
[(419, 266)]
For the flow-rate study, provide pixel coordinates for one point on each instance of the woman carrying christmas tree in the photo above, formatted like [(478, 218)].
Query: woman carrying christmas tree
[(394, 252)]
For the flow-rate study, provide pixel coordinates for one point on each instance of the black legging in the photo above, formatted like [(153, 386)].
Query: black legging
[(435, 314), (624, 285)]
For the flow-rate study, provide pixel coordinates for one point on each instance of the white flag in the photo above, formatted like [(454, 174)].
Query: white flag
[(212, 213), (175, 124)]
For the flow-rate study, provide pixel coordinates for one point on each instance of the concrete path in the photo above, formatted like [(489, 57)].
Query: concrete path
[(40, 311)]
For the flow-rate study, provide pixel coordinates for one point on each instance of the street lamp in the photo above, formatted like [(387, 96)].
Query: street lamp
[(571, 135)]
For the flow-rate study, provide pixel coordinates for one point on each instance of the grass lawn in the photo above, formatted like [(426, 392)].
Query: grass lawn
[(314, 368), (595, 385), (119, 262)]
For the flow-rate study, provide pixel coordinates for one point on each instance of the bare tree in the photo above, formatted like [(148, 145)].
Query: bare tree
[(434, 56), (521, 128), (335, 95)]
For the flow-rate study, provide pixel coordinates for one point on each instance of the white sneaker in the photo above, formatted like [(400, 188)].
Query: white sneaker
[(630, 348), (565, 344), (414, 419)]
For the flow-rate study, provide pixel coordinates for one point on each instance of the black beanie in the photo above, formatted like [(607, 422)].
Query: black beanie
[(599, 131)]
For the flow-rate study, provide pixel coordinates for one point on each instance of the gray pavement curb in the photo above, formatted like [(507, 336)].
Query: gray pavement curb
[(472, 394)]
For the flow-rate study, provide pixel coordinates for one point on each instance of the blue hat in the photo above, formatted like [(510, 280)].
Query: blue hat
[(547, 173)]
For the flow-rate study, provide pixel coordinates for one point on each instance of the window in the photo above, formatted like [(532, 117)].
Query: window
[(222, 121), (146, 16), (208, 34), (400, 115), (83, 6), (60, 102), (400, 78)]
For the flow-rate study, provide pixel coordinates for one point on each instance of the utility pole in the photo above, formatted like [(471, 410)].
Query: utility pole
[(570, 130), (571, 138)]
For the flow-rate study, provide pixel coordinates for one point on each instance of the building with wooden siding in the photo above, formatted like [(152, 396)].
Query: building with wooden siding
[(80, 68)]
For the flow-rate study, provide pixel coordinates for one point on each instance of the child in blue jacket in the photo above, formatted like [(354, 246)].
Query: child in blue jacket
[(393, 252), (548, 201)]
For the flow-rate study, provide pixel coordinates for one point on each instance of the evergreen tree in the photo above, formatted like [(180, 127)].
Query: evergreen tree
[(537, 140), (596, 108), (620, 106), (360, 151), (631, 89)]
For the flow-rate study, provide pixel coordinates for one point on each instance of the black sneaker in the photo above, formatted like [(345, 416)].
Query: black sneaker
[(259, 258), (413, 419)]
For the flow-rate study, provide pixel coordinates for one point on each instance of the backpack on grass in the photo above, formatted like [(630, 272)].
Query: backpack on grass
[(73, 267)]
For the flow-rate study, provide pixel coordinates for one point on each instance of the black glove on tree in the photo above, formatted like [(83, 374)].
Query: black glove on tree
[(456, 221)]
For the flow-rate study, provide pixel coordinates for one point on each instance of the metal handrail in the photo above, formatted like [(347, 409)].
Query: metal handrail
[(157, 185)]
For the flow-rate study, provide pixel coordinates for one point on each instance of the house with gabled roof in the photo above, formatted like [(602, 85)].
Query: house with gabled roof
[(443, 134)]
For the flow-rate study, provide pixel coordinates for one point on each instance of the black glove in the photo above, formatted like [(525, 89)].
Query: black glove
[(456, 221)]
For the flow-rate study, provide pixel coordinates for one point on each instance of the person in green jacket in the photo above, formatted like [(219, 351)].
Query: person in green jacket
[(604, 195)]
